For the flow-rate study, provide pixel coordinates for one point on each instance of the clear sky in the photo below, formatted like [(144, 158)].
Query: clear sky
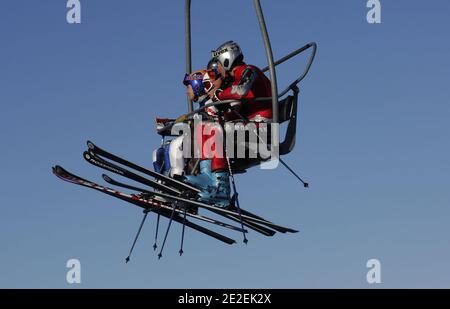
[(373, 142)]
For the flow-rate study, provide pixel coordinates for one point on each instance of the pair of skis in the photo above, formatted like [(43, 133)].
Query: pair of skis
[(170, 189), (169, 198)]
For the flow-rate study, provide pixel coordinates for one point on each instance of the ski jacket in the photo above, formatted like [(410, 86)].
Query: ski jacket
[(249, 83)]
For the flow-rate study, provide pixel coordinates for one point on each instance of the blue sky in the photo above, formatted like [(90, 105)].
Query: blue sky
[(373, 142)]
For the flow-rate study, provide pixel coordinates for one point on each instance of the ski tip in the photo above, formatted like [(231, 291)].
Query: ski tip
[(58, 170), (55, 170), (288, 230), (90, 144), (106, 178), (87, 155)]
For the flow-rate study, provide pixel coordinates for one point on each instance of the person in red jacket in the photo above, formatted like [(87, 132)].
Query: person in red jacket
[(247, 82)]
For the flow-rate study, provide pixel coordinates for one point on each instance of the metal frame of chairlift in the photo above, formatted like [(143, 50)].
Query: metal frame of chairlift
[(283, 110)]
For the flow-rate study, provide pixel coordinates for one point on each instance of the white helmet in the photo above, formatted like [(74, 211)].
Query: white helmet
[(228, 54)]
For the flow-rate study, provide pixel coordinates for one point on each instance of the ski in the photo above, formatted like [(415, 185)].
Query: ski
[(173, 182), (277, 228), (222, 211), (99, 162), (253, 226), (172, 194), (196, 216), (143, 203)]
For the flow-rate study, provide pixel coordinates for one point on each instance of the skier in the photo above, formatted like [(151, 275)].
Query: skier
[(239, 81), (168, 159), (213, 176), (247, 82)]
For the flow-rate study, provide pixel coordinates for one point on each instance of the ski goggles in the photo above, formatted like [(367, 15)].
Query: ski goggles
[(196, 82)]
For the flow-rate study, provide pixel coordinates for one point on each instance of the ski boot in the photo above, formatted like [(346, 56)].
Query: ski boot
[(219, 192), (204, 178), (215, 186)]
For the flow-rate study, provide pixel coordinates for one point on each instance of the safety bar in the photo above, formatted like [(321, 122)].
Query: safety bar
[(312, 45)]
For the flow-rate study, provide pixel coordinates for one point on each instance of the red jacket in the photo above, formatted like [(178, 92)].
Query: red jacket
[(250, 82)]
